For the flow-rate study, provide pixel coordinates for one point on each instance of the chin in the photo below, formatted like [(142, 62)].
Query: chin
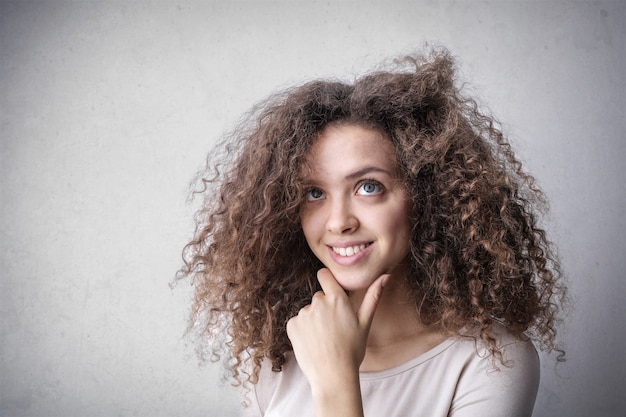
[(352, 281)]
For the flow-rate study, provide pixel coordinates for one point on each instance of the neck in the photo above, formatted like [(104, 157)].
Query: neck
[(397, 334)]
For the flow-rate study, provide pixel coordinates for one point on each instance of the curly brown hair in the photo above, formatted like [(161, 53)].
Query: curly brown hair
[(478, 254)]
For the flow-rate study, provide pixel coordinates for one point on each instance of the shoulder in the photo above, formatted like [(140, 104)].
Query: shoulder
[(257, 399), (514, 348), (276, 391), (490, 387)]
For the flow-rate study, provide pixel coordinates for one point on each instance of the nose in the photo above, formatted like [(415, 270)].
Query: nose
[(341, 218)]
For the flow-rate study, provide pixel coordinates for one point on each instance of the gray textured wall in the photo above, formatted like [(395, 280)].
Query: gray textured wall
[(107, 110)]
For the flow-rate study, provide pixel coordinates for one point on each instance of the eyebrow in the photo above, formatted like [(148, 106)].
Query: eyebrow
[(367, 170), (357, 174)]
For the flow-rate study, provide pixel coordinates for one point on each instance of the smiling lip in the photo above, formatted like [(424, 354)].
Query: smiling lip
[(349, 253)]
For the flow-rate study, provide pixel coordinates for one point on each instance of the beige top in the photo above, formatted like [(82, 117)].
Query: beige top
[(454, 379)]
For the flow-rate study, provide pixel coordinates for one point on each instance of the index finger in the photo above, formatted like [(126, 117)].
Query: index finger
[(328, 282), (370, 301)]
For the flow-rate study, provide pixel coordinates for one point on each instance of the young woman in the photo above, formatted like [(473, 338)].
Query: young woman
[(372, 248)]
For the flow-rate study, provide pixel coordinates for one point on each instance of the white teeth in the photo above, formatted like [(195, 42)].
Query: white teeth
[(349, 251)]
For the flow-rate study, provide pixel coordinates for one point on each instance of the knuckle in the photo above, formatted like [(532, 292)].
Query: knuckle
[(291, 323), (318, 295)]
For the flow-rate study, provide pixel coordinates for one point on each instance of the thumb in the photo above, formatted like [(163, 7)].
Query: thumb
[(370, 301)]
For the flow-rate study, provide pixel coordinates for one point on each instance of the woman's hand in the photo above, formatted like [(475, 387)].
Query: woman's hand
[(329, 340)]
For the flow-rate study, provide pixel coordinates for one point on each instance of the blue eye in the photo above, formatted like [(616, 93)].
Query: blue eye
[(370, 188), (314, 194)]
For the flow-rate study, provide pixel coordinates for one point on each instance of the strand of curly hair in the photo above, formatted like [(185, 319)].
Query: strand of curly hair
[(478, 254)]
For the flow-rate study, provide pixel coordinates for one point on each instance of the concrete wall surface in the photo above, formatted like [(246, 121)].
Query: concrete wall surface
[(108, 108)]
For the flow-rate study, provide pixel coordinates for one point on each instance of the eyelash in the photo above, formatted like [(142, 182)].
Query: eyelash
[(378, 185), (375, 183), (310, 191)]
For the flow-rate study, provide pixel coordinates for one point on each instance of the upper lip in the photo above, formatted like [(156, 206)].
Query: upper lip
[(348, 244)]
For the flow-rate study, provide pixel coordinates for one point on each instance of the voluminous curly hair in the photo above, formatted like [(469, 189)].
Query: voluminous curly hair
[(478, 254)]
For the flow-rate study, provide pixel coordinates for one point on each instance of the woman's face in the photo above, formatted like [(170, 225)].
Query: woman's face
[(355, 216)]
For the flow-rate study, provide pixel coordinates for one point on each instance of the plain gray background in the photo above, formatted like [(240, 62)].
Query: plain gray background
[(107, 109)]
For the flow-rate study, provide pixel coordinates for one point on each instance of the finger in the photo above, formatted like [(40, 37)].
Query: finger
[(328, 282), (370, 301), (290, 323)]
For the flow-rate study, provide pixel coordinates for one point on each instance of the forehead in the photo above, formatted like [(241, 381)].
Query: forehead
[(343, 148)]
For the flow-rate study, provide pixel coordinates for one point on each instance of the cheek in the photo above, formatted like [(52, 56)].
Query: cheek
[(310, 226), (395, 218), (400, 227), (399, 232)]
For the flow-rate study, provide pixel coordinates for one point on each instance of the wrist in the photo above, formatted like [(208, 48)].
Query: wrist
[(338, 396)]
